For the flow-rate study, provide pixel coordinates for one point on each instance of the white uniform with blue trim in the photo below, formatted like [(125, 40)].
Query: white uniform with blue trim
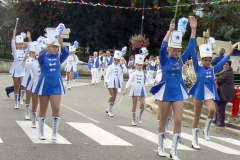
[(18, 70), (137, 80), (113, 75), (50, 80), (71, 63)]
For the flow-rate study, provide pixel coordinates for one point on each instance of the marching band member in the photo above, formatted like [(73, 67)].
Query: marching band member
[(131, 65), (50, 86), (204, 90), (123, 62), (137, 80), (18, 71), (171, 91), (151, 68), (100, 72), (108, 60), (95, 63), (113, 79)]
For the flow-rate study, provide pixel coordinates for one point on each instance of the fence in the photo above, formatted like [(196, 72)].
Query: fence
[(5, 51)]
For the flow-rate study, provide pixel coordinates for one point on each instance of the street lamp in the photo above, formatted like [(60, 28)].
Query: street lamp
[(155, 5)]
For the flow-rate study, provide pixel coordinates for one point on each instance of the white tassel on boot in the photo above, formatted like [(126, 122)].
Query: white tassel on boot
[(55, 127), (134, 118), (161, 138), (206, 130), (16, 101), (34, 119), (140, 116), (41, 123), (195, 144), (27, 112), (21, 96), (110, 114), (173, 151)]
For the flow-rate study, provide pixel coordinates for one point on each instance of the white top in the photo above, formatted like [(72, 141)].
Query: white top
[(71, 62), (113, 75)]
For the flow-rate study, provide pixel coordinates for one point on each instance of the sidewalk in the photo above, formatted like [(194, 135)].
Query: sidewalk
[(231, 129)]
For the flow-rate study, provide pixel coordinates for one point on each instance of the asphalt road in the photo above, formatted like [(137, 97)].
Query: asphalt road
[(87, 133)]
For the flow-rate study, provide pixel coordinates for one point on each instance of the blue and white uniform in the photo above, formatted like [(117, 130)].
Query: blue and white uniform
[(131, 69), (71, 63), (172, 87), (113, 75), (50, 80), (28, 74), (205, 86), (151, 68), (18, 70), (137, 80)]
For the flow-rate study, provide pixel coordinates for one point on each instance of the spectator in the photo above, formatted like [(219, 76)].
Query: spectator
[(225, 81)]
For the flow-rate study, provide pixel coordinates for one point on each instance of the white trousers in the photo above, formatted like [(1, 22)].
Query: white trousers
[(150, 75), (94, 72)]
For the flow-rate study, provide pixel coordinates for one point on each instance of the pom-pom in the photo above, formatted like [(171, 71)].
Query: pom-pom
[(182, 24), (124, 50), (60, 28), (144, 51), (75, 44), (211, 42)]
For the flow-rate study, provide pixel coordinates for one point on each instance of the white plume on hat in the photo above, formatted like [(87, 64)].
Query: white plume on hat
[(117, 54), (144, 51), (205, 50), (211, 42)]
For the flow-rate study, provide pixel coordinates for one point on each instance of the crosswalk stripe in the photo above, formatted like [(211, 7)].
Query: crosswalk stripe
[(99, 135), (229, 140), (1, 140), (152, 137), (32, 133), (213, 145)]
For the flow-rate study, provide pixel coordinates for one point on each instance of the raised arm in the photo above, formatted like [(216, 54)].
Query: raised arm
[(192, 41), (195, 60), (13, 43)]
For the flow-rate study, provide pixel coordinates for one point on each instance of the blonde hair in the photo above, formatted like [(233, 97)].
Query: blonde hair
[(221, 51)]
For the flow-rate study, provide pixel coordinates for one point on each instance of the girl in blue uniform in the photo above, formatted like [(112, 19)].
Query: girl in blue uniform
[(50, 86), (204, 90), (171, 91)]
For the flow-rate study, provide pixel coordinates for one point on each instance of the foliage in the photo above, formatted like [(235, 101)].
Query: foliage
[(190, 75), (139, 41)]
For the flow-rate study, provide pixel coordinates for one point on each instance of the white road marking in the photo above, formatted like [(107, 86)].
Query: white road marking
[(1, 140), (152, 137), (81, 114), (99, 135), (229, 140), (32, 133)]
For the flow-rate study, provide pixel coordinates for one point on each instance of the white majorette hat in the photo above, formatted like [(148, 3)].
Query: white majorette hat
[(19, 39), (52, 36), (139, 58), (32, 45), (175, 39), (72, 49), (117, 54), (205, 50)]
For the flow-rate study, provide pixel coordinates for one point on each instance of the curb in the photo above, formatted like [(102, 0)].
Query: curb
[(231, 130)]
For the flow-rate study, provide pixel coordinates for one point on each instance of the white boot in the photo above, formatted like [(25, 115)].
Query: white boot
[(110, 104), (27, 112), (21, 96), (70, 84), (34, 119), (55, 127), (169, 120), (67, 84), (206, 130), (134, 118), (173, 151), (140, 116), (110, 114), (41, 123), (195, 144), (16, 101), (161, 138)]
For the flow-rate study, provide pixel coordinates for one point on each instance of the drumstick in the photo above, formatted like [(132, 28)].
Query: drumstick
[(16, 23), (120, 100), (176, 9)]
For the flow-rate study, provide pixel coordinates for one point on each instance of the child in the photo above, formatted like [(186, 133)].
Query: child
[(204, 90), (137, 80), (113, 79)]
